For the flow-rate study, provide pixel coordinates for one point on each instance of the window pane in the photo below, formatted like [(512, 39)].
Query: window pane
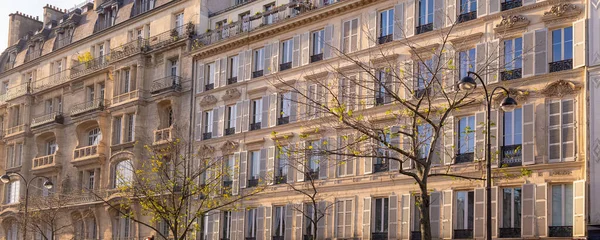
[(557, 215), (506, 208), (556, 45), (568, 46), (568, 205), (517, 209)]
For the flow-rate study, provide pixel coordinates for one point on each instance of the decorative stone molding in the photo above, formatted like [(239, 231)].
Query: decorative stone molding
[(390, 59), (560, 88), (561, 11), (317, 76), (424, 52), (229, 147), (206, 150), (231, 94), (208, 100), (284, 85), (512, 21), (463, 43)]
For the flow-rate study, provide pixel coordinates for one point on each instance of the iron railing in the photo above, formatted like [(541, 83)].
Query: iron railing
[(51, 81), (96, 104), (380, 167), (316, 57), (510, 4), (464, 157), (252, 182), (511, 74), (424, 28), (257, 73), (379, 236), (56, 117), (561, 65), (174, 35), (166, 83), (231, 80), (385, 39), (509, 232), (560, 231), (285, 66), (33, 54), (229, 131), (255, 126), (465, 17), (283, 120), (281, 179), (311, 174), (415, 235), (511, 156), (463, 233), (206, 135)]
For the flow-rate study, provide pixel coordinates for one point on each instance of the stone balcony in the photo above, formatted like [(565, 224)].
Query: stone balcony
[(93, 105), (45, 163), (162, 136), (165, 84), (14, 130), (54, 117), (88, 155), (126, 97), (17, 91), (51, 81)]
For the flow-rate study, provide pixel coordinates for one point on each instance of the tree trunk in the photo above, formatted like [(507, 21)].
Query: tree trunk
[(315, 221), (425, 221)]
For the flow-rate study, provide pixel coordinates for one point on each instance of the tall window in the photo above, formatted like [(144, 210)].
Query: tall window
[(561, 145), (425, 12), (344, 216), (254, 166), (231, 119), (287, 47), (90, 93), (126, 81), (259, 63), (210, 76), (383, 81), (226, 224), (12, 192), (179, 22), (424, 76), (466, 139), (51, 147), (386, 25), (511, 209), (282, 162), (270, 18), (464, 210), (467, 6), (130, 127), (279, 221), (513, 49), (174, 67), (208, 124), (117, 129), (91, 179), (122, 227), (513, 124), (251, 223), (381, 162), (350, 36), (562, 44), (314, 156), (256, 117), (285, 108), (233, 67), (94, 137), (12, 231), (308, 224), (424, 137), (123, 173), (467, 62), (562, 205), (318, 42), (381, 215)]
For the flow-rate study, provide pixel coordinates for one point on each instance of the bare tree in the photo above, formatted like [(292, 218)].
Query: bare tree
[(47, 218)]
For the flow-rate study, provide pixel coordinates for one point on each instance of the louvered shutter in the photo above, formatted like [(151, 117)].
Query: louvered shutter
[(435, 201), (541, 209), (393, 217), (238, 116), (263, 165), (248, 67), (528, 53), (331, 156), (216, 226), (447, 199), (450, 12), (328, 48), (260, 223), (200, 78), (451, 67), (405, 217), (275, 56), (394, 141), (209, 225), (494, 6), (368, 100), (234, 225), (496, 119), (241, 225), (408, 79), (368, 161), (245, 115), (322, 223), (481, 61), (579, 208), (541, 58), (493, 49), (480, 128), (292, 157), (221, 126), (305, 48), (215, 125), (528, 211), (366, 226), (268, 222), (481, 8), (439, 14), (289, 220), (198, 128), (235, 179), (223, 73), (241, 65), (495, 212), (265, 112), (479, 213), (579, 56), (270, 165), (217, 73), (449, 138), (273, 110), (243, 169), (296, 51), (399, 21), (407, 146), (293, 106), (372, 25), (299, 221), (301, 161), (323, 161), (409, 25), (528, 134)]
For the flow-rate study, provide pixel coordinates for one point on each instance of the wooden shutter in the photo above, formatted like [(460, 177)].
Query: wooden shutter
[(541, 209), (260, 223), (480, 128), (216, 226), (263, 165), (368, 161), (198, 126), (405, 217), (243, 169), (223, 72), (479, 213), (289, 220), (494, 212), (245, 115), (449, 138), (493, 49), (494, 6), (215, 126), (409, 29), (200, 78), (221, 126), (293, 106), (434, 213), (299, 220), (481, 8), (275, 56), (399, 21), (408, 79), (579, 208), (209, 226), (366, 227), (301, 161), (235, 179), (305, 48), (296, 51), (265, 112), (495, 135), (238, 116), (241, 225), (241, 65), (321, 224), (579, 49), (451, 65), (270, 165), (528, 53), (234, 225), (528, 134), (541, 58), (323, 163), (327, 48), (447, 198), (248, 67), (450, 12), (272, 120), (439, 14), (393, 217), (217, 73), (267, 61), (372, 25), (395, 141), (268, 222), (481, 60), (528, 211)]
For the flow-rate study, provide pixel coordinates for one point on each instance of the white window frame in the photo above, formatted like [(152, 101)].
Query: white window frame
[(285, 104), (258, 59), (251, 226), (350, 30), (208, 121), (512, 139), (227, 215), (564, 199), (94, 136), (318, 42), (470, 62), (341, 221), (466, 213), (231, 116), (314, 157), (287, 48), (233, 65), (13, 192), (384, 221), (174, 67), (254, 166), (210, 74), (510, 61), (385, 28), (123, 173), (256, 110), (281, 221), (126, 81), (282, 159), (428, 11), (560, 127), (469, 136), (51, 147), (562, 44)]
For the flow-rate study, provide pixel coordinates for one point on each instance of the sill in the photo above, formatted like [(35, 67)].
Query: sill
[(122, 145)]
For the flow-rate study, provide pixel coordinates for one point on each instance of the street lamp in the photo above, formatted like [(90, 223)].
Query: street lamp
[(508, 104), (47, 184)]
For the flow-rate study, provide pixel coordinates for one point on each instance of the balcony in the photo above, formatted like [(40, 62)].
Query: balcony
[(9, 65), (507, 5), (285, 66), (51, 81), (44, 162), (14, 130), (54, 117), (508, 75), (385, 39), (379, 236), (209, 87), (283, 120), (424, 28), (166, 83), (415, 235), (379, 100), (509, 233), (465, 17), (97, 104), (463, 233), (252, 182), (125, 97), (88, 154), (227, 186), (464, 157), (206, 135), (163, 135), (229, 131), (33, 54), (307, 237), (312, 175), (380, 167), (280, 179), (278, 238), (257, 73), (421, 92), (17, 91), (561, 65), (62, 42), (316, 57), (128, 49), (231, 80), (254, 126), (560, 231), (511, 156), (172, 36)]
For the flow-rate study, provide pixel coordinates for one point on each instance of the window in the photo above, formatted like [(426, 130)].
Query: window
[(174, 63), (561, 133), (90, 93), (350, 36), (309, 211), (4, 87), (562, 208), (251, 223), (511, 212), (130, 127), (122, 227), (279, 221), (229, 168), (231, 119), (513, 61), (467, 6), (314, 157), (282, 162), (244, 19), (381, 216), (94, 137), (467, 62), (464, 212), (91, 228), (466, 139), (13, 193), (259, 64), (383, 80), (126, 81), (285, 108), (208, 125), (254, 164), (256, 117), (318, 42), (12, 231), (562, 44), (286, 54), (13, 155), (424, 137), (233, 66), (210, 76), (512, 138), (424, 76), (381, 163), (179, 22), (270, 18), (415, 218), (226, 225), (91, 179), (51, 147), (163, 227), (123, 173), (386, 26), (343, 211), (425, 12)]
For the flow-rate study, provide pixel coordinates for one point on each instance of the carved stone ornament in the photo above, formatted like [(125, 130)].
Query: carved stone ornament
[(208, 100), (232, 93), (560, 11), (206, 150), (519, 95), (512, 21), (229, 147), (559, 89)]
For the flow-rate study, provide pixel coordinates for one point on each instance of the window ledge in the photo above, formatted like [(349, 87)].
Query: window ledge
[(120, 146)]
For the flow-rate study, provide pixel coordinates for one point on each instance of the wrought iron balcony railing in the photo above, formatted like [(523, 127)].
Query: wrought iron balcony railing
[(464, 157), (229, 131), (415, 235), (252, 182), (385, 39), (257, 73), (166, 83), (511, 156), (560, 231), (465, 17), (56, 117), (283, 120), (96, 104), (169, 37), (311, 174), (285, 66), (509, 233), (254, 126), (316, 57), (206, 135), (280, 179), (379, 100), (561, 65), (33, 54), (424, 28), (510, 4), (231, 80), (379, 236), (51, 81), (511, 74), (380, 167), (463, 233), (209, 87)]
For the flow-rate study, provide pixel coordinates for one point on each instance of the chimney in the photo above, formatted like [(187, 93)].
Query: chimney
[(97, 3), (19, 25), (52, 13)]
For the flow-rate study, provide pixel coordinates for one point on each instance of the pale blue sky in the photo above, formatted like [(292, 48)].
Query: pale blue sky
[(29, 7)]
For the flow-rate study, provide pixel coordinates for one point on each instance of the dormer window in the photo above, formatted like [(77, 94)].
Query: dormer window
[(142, 6)]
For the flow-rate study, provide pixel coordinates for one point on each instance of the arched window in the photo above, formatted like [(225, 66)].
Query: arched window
[(12, 230), (94, 137), (123, 173)]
